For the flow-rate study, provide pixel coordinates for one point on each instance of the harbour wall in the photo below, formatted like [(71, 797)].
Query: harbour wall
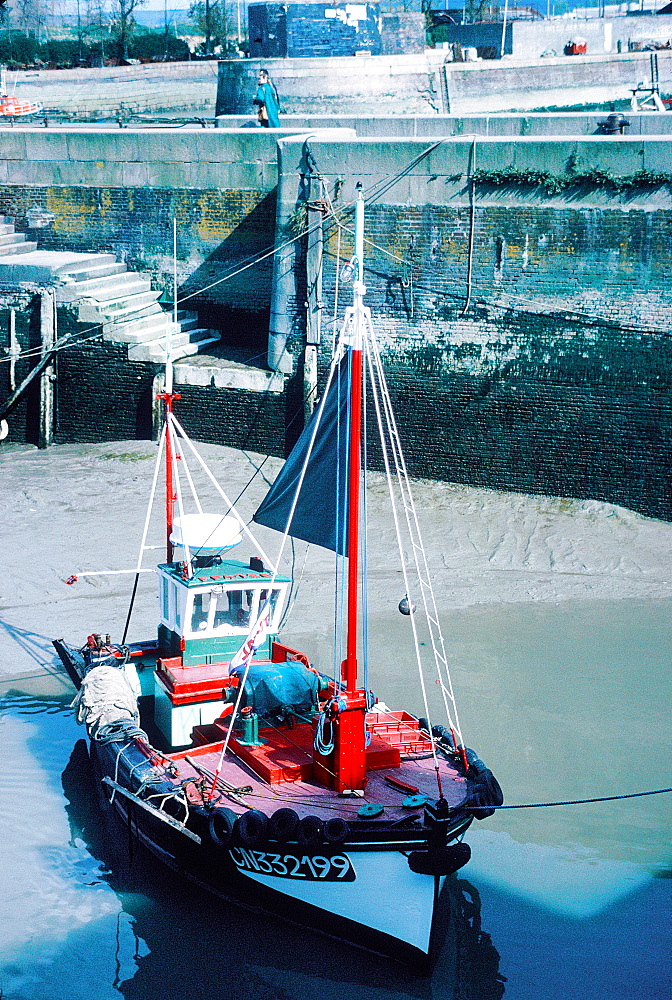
[(118, 191), (527, 334), (114, 90), (526, 330), (439, 126), (528, 39), (417, 83), (425, 83)]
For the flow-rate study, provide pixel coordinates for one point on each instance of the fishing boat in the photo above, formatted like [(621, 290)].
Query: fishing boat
[(12, 107), (237, 761)]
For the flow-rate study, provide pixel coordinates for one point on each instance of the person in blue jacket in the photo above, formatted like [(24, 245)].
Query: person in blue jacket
[(267, 101)]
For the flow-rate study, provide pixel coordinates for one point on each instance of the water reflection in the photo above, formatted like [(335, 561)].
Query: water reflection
[(52, 888)]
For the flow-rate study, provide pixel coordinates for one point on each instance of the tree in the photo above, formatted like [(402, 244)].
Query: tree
[(210, 19), (96, 26), (31, 16), (124, 23), (157, 45)]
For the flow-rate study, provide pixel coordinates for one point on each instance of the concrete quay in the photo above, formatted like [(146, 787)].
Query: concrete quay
[(502, 124), (422, 84)]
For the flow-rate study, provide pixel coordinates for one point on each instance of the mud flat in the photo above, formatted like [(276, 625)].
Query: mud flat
[(76, 508)]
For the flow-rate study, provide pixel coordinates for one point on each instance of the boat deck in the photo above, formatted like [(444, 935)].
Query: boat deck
[(306, 797)]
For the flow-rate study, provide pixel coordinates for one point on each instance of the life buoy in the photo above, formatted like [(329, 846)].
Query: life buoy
[(335, 830), (250, 828), (283, 825), (311, 830), (220, 826)]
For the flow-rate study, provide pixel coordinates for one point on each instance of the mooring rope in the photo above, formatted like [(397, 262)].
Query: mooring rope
[(578, 802)]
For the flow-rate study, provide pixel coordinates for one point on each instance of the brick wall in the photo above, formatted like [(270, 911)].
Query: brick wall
[(557, 377), (25, 305), (101, 396), (402, 32)]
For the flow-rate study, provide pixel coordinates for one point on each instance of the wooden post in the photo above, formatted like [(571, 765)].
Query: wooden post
[(314, 305), (14, 350), (158, 386), (45, 433)]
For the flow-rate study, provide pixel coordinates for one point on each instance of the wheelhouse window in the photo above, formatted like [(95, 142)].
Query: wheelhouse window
[(232, 610), (234, 607), (171, 599), (200, 611), (274, 608), (165, 603)]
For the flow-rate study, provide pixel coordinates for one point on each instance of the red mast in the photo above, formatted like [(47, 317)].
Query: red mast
[(169, 398), (349, 757)]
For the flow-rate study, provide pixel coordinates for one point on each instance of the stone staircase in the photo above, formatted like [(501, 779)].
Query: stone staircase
[(12, 242), (101, 290), (124, 304)]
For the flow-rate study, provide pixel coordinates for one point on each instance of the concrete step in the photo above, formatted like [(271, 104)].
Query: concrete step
[(155, 351), (84, 273), (90, 262), (146, 318), (6, 227), (188, 324), (92, 311), (195, 346), (106, 288), (88, 315), (222, 373), (11, 237), (154, 333), (186, 315), (194, 335), (17, 248)]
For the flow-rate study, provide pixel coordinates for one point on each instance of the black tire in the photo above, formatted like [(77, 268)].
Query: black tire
[(335, 830), (220, 827), (311, 829), (250, 828), (283, 825), (493, 788), (484, 793), (440, 861), (443, 735), (477, 803)]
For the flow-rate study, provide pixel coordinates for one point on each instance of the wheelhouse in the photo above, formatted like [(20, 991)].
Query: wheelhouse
[(206, 618)]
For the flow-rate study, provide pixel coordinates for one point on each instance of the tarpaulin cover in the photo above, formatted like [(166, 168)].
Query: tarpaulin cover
[(272, 687)]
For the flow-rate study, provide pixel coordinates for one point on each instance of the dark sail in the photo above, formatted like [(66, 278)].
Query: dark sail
[(320, 513)]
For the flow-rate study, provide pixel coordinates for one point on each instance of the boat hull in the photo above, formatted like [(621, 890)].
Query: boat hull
[(369, 897)]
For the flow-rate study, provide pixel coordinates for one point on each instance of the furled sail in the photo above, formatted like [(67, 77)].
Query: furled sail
[(320, 456)]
